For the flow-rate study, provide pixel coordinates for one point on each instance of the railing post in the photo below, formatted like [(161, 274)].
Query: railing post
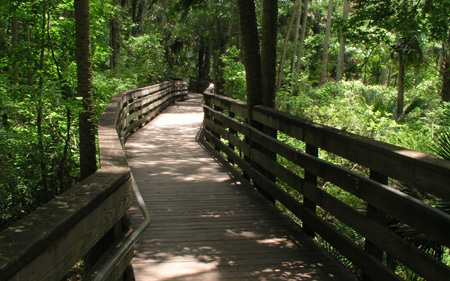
[(208, 100), (378, 216), (312, 179), (256, 146), (233, 132), (218, 108)]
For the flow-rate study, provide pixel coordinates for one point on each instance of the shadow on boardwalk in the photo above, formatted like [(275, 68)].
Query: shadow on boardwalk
[(208, 223)]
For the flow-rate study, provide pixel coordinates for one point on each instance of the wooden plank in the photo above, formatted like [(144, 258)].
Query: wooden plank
[(150, 107), (416, 213), (411, 256), (310, 179), (377, 215), (367, 263), (206, 222), (282, 173), (67, 247), (146, 100), (49, 241), (401, 206), (417, 169), (118, 271), (231, 137), (234, 106)]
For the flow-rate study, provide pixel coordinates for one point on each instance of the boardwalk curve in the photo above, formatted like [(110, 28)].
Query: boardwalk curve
[(208, 223)]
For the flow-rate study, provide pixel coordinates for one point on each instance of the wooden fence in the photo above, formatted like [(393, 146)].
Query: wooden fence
[(88, 221), (298, 179)]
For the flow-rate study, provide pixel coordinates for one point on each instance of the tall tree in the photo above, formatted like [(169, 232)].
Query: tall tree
[(285, 45), (139, 17), (251, 52), (15, 43), (302, 36), (269, 51), (40, 133), (341, 56), (87, 130), (115, 38), (401, 82), (437, 21), (445, 92), (323, 74), (296, 35)]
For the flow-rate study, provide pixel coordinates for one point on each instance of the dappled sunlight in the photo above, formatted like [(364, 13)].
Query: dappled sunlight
[(244, 234), (168, 267), (208, 223), (171, 119), (277, 242)]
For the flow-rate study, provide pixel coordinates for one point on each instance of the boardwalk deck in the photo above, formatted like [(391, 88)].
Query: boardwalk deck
[(208, 223)]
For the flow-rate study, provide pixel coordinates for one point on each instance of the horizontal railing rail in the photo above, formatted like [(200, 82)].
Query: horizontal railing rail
[(372, 210), (88, 221)]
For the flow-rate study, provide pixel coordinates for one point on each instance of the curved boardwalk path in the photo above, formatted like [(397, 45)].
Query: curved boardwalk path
[(207, 222)]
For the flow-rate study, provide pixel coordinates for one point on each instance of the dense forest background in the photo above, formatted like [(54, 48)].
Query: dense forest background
[(374, 68)]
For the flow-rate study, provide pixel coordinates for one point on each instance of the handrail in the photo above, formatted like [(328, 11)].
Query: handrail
[(48, 242), (300, 172), (126, 246)]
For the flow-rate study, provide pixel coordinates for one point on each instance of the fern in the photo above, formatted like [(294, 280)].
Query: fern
[(442, 144)]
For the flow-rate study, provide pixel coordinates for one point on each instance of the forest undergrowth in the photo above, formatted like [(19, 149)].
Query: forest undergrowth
[(369, 110)]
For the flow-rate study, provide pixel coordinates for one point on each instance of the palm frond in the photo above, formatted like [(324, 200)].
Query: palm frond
[(442, 144)]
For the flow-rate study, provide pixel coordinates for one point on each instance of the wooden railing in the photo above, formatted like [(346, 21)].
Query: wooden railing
[(88, 221), (302, 179)]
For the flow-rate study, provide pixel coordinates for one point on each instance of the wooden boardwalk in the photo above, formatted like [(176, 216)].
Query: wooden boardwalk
[(208, 223)]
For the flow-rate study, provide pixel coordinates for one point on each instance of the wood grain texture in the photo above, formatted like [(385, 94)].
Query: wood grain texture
[(401, 206), (208, 223), (416, 213), (48, 242), (417, 169), (66, 248)]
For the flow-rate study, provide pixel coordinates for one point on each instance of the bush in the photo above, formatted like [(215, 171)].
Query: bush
[(143, 60), (234, 75), (367, 110)]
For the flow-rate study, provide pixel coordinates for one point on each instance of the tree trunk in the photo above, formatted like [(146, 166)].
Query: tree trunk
[(285, 46), (134, 4), (15, 44), (115, 40), (384, 73), (401, 83), (230, 28), (445, 91), (269, 51), (40, 109), (302, 37), (251, 52), (323, 75), (253, 72), (269, 71), (389, 77), (341, 57), (204, 58), (88, 151), (141, 14), (297, 34)]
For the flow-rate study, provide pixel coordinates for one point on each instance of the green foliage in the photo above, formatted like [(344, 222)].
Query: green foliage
[(234, 74), (368, 111), (21, 184), (442, 144), (143, 60)]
